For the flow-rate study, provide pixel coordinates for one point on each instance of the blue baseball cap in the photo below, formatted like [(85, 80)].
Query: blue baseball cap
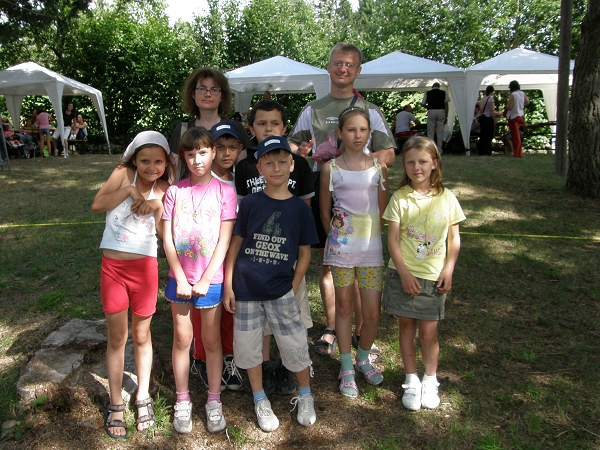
[(272, 143), (223, 128)]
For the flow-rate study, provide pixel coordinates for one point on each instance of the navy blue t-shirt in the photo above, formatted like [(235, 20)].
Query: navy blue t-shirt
[(272, 230)]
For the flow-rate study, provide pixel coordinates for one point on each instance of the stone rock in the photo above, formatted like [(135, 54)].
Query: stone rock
[(8, 429), (78, 333), (48, 368)]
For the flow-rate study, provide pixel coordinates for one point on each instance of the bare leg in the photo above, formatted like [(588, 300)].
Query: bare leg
[(371, 312), (303, 378), (343, 317), (115, 361), (408, 345), (142, 342), (430, 347), (211, 338), (358, 313), (255, 377), (182, 339), (328, 298)]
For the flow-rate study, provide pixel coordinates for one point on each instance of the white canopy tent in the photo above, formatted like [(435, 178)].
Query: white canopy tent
[(277, 74), (399, 71), (532, 70), (32, 79)]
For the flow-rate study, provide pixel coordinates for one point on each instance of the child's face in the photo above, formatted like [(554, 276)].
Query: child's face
[(227, 151), (355, 133), (267, 123), (199, 162), (419, 165), (151, 163), (276, 168)]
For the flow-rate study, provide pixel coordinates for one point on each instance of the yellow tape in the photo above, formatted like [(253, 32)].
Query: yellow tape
[(533, 236), (27, 225)]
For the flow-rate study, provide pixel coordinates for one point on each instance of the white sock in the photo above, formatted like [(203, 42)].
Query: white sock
[(432, 378), (412, 378)]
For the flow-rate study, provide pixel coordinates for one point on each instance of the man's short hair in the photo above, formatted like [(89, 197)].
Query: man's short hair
[(345, 47), (435, 85)]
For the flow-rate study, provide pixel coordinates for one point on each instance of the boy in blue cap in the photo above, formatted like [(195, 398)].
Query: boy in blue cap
[(273, 231)]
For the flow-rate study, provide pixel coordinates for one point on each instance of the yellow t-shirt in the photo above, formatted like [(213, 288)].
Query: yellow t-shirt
[(424, 222)]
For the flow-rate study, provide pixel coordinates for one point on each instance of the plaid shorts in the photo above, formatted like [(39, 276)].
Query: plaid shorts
[(286, 323)]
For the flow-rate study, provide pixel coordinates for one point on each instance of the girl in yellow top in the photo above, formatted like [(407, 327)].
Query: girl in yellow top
[(422, 216)]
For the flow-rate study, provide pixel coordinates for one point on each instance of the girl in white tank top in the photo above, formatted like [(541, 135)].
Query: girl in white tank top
[(132, 199)]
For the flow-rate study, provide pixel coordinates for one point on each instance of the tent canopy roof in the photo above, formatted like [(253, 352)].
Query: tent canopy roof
[(518, 61), (401, 71), (276, 74)]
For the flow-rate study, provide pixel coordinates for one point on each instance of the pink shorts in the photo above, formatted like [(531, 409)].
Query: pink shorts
[(129, 284)]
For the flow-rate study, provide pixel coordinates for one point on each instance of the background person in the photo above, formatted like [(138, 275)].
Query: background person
[(515, 114), (436, 102), (402, 124), (206, 97), (487, 121), (69, 116)]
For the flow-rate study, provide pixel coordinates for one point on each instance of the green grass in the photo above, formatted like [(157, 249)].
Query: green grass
[(519, 346)]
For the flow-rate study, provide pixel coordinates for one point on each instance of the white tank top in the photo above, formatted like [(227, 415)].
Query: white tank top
[(128, 232)]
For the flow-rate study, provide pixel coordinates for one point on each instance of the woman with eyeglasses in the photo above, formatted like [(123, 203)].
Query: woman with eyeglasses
[(207, 98)]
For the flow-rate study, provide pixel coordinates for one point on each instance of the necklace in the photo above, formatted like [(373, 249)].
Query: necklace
[(344, 158), (195, 208)]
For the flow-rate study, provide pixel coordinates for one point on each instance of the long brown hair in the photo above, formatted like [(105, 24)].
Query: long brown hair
[(189, 104), (423, 143)]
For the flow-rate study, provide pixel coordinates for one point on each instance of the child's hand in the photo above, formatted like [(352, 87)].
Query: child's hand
[(444, 283), (184, 290), (305, 148), (137, 197), (410, 284), (201, 288), (146, 207), (229, 301)]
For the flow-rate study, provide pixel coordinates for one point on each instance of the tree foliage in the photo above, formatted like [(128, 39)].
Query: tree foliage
[(128, 50)]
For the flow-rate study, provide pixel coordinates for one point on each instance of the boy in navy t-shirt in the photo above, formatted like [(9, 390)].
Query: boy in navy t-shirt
[(267, 119), (273, 232)]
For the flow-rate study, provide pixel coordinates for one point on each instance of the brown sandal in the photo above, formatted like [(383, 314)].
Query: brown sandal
[(150, 417), (109, 422)]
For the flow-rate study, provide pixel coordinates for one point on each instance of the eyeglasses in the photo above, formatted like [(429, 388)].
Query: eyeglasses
[(340, 64), (203, 90)]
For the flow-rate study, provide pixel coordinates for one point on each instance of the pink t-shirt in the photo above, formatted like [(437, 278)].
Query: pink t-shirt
[(196, 212), (43, 121)]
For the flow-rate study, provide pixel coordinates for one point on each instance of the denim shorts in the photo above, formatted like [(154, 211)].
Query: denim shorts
[(212, 298), (428, 305), (44, 131)]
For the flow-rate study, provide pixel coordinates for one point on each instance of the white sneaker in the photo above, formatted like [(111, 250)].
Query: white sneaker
[(183, 417), (215, 420), (412, 395), (306, 409), (267, 420), (429, 394)]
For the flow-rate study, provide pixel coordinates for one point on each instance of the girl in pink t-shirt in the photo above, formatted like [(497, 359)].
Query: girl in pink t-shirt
[(198, 220), (42, 120)]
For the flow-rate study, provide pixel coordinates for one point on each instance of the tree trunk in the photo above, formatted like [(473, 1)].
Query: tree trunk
[(564, 73), (583, 176)]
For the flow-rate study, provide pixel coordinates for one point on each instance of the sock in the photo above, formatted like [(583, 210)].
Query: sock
[(258, 396), (432, 378), (303, 391), (412, 378), (362, 355), (183, 396), (346, 360), (212, 396)]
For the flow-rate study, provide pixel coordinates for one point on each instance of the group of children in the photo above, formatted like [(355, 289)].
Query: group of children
[(238, 247)]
